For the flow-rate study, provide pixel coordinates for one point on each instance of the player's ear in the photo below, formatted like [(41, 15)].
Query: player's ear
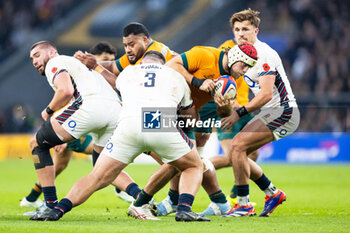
[(256, 31), (145, 39), (52, 52)]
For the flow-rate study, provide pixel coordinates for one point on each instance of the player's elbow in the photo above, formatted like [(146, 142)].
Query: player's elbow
[(267, 96), (67, 93)]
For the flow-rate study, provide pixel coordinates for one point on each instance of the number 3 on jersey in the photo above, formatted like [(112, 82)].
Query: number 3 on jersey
[(151, 79)]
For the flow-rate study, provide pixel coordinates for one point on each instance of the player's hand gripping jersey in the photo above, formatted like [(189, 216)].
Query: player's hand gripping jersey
[(123, 61)]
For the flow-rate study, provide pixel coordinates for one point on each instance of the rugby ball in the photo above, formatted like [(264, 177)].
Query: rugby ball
[(226, 86)]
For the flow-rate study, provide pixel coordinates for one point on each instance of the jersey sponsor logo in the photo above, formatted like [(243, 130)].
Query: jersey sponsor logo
[(250, 82), (72, 124), (54, 69), (283, 132), (109, 147), (266, 67), (152, 119)]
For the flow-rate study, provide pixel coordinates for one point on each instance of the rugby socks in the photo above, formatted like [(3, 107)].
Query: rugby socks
[(64, 206), (142, 199), (133, 190), (50, 196), (95, 156), (218, 197), (34, 193), (243, 195), (185, 202), (233, 193), (174, 196), (266, 185)]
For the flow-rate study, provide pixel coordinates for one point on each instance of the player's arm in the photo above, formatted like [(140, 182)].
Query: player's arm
[(64, 92), (176, 63), (90, 61), (110, 77), (266, 84), (111, 66)]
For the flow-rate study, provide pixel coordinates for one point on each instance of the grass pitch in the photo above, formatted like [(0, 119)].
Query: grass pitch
[(318, 200)]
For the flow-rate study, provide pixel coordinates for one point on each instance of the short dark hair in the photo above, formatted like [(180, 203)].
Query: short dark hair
[(136, 29), (102, 47), (44, 43), (156, 55)]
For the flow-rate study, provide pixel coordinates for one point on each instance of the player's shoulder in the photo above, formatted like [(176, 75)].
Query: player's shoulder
[(228, 44), (265, 51), (208, 50), (62, 58)]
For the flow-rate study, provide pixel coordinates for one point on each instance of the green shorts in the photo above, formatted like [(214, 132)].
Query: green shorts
[(209, 111), (80, 144)]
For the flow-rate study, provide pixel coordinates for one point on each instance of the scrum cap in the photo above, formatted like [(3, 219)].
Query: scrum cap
[(244, 52)]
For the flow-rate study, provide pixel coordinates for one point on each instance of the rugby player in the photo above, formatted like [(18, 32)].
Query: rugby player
[(200, 66), (87, 97), (279, 116), (61, 154), (148, 84), (225, 136)]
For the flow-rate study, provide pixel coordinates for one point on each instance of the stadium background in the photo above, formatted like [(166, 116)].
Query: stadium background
[(312, 37)]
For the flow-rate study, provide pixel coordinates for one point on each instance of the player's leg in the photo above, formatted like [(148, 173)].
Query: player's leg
[(218, 202), (225, 137), (252, 137), (123, 181), (50, 134), (103, 173), (61, 157), (169, 204), (190, 179), (157, 181)]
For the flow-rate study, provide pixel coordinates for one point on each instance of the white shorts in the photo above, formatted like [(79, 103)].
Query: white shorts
[(128, 142), (97, 117), (282, 121)]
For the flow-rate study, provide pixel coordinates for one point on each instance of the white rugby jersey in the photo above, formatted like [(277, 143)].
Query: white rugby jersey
[(87, 83), (268, 63), (151, 85)]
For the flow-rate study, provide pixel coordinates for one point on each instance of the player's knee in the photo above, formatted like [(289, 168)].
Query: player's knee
[(41, 157), (33, 143), (59, 167), (238, 145), (226, 159), (46, 137), (100, 180), (254, 155)]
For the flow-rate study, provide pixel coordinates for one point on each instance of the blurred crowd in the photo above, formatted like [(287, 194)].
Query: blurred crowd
[(18, 19), (18, 119), (316, 57)]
